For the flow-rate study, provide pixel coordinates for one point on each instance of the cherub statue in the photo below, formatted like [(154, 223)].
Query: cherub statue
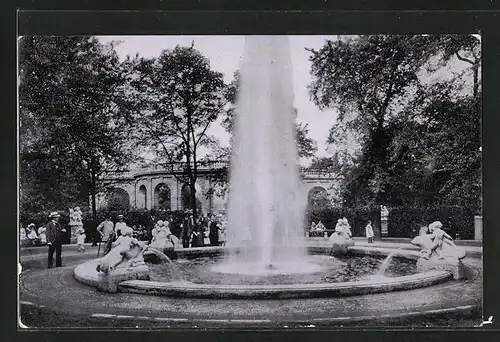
[(437, 241), (75, 216), (125, 252), (161, 236)]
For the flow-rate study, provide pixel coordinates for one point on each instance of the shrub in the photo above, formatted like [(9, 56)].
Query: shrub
[(406, 221)]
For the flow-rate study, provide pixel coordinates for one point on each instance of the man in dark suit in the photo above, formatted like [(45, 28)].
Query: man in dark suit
[(150, 223), (187, 229), (55, 234), (214, 232)]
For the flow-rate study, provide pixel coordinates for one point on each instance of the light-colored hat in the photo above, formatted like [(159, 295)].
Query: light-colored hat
[(54, 214), (31, 225), (120, 216), (339, 221), (159, 223)]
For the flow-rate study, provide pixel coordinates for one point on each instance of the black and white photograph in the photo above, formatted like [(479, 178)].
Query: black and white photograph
[(258, 181)]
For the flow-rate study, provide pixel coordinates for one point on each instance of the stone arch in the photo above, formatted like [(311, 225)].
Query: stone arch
[(142, 198), (317, 196), (118, 198), (162, 196), (186, 195)]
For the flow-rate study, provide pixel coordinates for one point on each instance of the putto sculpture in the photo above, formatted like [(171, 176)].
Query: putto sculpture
[(438, 251), (161, 248), (341, 238), (124, 262)]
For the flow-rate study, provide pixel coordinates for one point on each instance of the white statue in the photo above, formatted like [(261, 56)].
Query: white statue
[(126, 252), (341, 239), (384, 213), (437, 244), (75, 217)]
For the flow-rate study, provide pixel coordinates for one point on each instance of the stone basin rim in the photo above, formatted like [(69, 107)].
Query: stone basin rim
[(85, 273)]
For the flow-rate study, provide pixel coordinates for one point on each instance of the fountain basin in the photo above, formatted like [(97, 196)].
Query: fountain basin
[(86, 274)]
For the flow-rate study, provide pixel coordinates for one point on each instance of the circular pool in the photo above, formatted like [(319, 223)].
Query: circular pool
[(314, 269)]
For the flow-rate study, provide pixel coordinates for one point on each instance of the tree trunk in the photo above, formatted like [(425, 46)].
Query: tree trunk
[(93, 189), (475, 88)]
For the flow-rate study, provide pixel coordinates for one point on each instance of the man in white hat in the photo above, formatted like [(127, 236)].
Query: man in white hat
[(55, 233), (119, 225)]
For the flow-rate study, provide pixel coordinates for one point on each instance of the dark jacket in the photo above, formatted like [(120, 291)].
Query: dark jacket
[(214, 229), (53, 231), (187, 227), (150, 222)]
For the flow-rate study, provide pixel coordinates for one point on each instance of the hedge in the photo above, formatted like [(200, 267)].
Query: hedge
[(406, 221), (403, 222)]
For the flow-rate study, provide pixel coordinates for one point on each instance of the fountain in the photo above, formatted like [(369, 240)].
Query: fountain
[(266, 206), (267, 255)]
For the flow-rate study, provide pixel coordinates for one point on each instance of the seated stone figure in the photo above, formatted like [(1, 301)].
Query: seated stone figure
[(341, 239), (126, 252), (161, 248)]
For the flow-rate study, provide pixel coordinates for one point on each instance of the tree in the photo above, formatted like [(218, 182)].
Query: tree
[(367, 79), (72, 99), (179, 97), (465, 48), (419, 140)]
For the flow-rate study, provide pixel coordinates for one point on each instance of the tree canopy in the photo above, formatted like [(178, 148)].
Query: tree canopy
[(177, 96), (418, 139), (73, 130)]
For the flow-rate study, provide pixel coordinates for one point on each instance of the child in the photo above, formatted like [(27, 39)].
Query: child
[(42, 235), (80, 239), (369, 232)]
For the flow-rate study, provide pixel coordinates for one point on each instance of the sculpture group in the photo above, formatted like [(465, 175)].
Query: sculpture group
[(438, 251), (341, 238), (128, 256)]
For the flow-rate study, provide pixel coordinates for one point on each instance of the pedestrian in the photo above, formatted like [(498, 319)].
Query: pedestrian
[(187, 229), (32, 235), (42, 235), (22, 236), (107, 233), (214, 232), (150, 224), (120, 225), (80, 239), (369, 232), (55, 234)]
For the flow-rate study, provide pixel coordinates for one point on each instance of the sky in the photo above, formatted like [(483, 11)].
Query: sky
[(224, 53)]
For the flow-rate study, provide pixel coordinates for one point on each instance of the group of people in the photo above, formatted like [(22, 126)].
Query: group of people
[(32, 237), (206, 230), (343, 228)]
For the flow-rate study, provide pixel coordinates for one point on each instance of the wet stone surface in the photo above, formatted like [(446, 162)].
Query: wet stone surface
[(333, 270)]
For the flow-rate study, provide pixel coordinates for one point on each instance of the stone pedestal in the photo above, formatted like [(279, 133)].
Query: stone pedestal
[(108, 282), (453, 265), (339, 244), (478, 228), (383, 227)]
